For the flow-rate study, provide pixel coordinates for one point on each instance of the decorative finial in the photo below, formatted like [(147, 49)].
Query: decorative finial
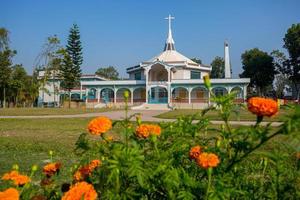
[(170, 42)]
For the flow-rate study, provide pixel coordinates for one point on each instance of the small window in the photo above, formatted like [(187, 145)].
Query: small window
[(138, 76), (195, 75)]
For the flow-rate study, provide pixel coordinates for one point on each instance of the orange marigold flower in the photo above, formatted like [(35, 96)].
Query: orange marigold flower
[(79, 191), (99, 125), (51, 168), (155, 129), (142, 131), (145, 130), (262, 106), (95, 163), (9, 194), (17, 178), (85, 171), (206, 160), (195, 152)]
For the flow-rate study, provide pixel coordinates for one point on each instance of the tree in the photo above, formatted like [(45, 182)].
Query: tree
[(218, 68), (69, 74), (70, 71), (17, 84), (74, 48), (282, 76), (197, 60), (259, 67), (4, 38), (6, 55), (108, 72), (50, 61), (280, 83), (32, 88), (292, 64)]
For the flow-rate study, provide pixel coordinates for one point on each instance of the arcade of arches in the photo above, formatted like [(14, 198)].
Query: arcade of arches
[(158, 94)]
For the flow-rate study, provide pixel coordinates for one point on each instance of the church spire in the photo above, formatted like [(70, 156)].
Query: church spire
[(170, 42)]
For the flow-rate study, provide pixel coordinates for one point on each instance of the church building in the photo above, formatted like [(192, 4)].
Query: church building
[(167, 81)]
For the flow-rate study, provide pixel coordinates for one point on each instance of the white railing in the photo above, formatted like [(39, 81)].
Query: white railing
[(158, 83)]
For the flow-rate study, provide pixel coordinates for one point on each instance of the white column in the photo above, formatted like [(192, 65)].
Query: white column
[(86, 95), (245, 92), (115, 95), (146, 73), (131, 100), (189, 91), (227, 60), (98, 95), (80, 90)]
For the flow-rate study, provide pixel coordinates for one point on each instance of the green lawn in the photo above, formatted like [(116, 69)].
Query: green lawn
[(244, 115), (49, 111), (27, 141)]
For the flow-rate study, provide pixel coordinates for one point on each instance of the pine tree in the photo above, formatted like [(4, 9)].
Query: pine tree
[(70, 71), (74, 48)]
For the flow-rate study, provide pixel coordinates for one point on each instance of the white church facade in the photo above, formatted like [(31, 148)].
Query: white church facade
[(168, 80)]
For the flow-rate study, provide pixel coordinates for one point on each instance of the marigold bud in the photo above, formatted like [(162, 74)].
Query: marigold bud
[(219, 141), (126, 94), (34, 168), (207, 81), (138, 119), (15, 167)]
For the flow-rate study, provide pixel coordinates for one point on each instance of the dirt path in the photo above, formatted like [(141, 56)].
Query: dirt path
[(147, 115)]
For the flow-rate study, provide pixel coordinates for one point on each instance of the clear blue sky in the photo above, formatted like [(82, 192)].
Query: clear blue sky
[(123, 33)]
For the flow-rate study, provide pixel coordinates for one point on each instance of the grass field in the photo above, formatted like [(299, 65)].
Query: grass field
[(49, 111), (28, 141), (244, 115)]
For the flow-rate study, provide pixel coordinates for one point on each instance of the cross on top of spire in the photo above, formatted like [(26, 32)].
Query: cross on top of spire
[(169, 18), (170, 42)]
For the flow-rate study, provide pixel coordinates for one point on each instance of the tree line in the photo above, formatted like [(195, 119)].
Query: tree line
[(270, 73), (55, 61)]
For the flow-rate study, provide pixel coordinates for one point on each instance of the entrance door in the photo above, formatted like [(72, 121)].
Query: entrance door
[(158, 95)]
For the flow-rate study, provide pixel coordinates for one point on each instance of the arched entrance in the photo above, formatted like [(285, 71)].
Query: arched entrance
[(139, 95), (92, 95), (107, 95), (180, 95), (199, 95), (120, 95), (158, 95)]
